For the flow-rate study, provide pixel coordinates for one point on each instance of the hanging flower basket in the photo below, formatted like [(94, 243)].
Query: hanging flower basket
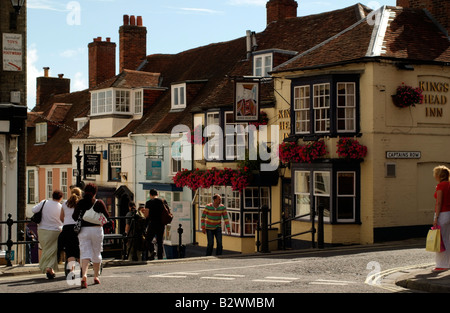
[(351, 149), (407, 96), (238, 179), (291, 152)]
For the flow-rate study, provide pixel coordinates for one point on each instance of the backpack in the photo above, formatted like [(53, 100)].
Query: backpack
[(166, 216)]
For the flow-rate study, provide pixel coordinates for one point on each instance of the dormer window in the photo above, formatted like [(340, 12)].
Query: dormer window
[(116, 101), (41, 132), (262, 64), (178, 96)]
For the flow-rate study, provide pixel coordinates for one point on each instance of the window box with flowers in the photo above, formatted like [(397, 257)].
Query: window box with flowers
[(407, 96), (291, 152), (351, 149), (237, 179)]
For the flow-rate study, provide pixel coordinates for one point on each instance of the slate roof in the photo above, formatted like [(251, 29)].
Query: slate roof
[(408, 34), (312, 41)]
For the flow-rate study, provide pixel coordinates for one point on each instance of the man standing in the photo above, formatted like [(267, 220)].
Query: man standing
[(211, 224), (153, 213)]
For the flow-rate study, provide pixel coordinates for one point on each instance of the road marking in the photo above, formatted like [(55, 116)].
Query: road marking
[(218, 278), (229, 275), (282, 278), (272, 281)]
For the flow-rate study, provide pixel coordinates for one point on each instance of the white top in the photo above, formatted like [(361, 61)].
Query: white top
[(68, 219), (50, 215)]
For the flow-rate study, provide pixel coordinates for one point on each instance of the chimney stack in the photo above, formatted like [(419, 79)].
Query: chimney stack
[(102, 61), (47, 86), (281, 9), (133, 43), (440, 9)]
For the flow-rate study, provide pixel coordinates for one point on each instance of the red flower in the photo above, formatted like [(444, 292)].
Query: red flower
[(351, 149), (291, 152)]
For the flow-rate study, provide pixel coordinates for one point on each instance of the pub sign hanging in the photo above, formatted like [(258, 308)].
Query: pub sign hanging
[(246, 101)]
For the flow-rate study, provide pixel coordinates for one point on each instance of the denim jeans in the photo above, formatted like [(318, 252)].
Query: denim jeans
[(210, 234)]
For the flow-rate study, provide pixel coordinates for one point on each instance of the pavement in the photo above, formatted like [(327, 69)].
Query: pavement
[(420, 278)]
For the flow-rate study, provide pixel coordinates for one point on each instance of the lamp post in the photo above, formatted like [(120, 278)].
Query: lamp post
[(17, 4)]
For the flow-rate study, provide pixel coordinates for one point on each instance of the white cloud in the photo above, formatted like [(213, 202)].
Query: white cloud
[(32, 73), (70, 53), (200, 10), (46, 5), (248, 2), (79, 82)]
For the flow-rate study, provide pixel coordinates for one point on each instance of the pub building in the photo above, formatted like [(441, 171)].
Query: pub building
[(341, 93)]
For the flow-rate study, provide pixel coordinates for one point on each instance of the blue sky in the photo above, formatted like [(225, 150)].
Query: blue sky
[(60, 30)]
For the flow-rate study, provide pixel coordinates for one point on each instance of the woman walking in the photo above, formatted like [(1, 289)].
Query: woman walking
[(68, 239), (48, 232), (442, 215), (91, 235)]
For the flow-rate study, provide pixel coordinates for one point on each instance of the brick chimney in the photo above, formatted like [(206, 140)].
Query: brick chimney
[(102, 61), (133, 42), (280, 10), (440, 9), (47, 86)]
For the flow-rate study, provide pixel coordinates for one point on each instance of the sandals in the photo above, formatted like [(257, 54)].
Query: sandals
[(83, 283), (96, 281), (50, 274)]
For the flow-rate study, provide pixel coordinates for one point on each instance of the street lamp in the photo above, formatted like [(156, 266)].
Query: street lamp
[(17, 4)]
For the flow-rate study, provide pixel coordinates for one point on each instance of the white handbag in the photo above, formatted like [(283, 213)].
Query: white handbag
[(94, 217)]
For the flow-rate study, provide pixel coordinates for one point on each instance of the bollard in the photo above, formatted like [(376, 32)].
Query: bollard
[(180, 232), (264, 229), (320, 244), (9, 242)]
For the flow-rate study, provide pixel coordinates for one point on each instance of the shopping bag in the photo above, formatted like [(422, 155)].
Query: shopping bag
[(434, 240)]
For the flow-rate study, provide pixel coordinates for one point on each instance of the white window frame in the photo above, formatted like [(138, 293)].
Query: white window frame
[(318, 193), (41, 132), (175, 157), (262, 64), (302, 105), (346, 107), (64, 183), (115, 155), (321, 106), (112, 101), (31, 186), (234, 141), (213, 118), (302, 193), (138, 100), (49, 184), (178, 96)]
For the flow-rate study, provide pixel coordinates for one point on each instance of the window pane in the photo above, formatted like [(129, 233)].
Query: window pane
[(346, 184), (302, 180), (345, 209), (322, 183)]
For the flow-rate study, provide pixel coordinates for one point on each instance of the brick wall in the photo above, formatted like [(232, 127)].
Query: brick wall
[(46, 86), (133, 43), (102, 61), (281, 9)]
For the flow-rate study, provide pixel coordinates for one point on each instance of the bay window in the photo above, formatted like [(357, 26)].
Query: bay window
[(116, 101), (243, 208), (335, 187), (325, 105)]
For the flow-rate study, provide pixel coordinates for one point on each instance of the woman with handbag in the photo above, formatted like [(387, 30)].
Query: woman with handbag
[(49, 229), (442, 215), (91, 234), (68, 239)]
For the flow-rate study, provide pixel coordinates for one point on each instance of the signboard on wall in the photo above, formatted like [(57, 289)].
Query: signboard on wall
[(92, 164), (12, 53), (246, 101), (403, 155)]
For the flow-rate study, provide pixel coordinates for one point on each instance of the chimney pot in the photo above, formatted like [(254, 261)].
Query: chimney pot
[(126, 20), (132, 20), (139, 21), (60, 75), (108, 39), (46, 71)]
